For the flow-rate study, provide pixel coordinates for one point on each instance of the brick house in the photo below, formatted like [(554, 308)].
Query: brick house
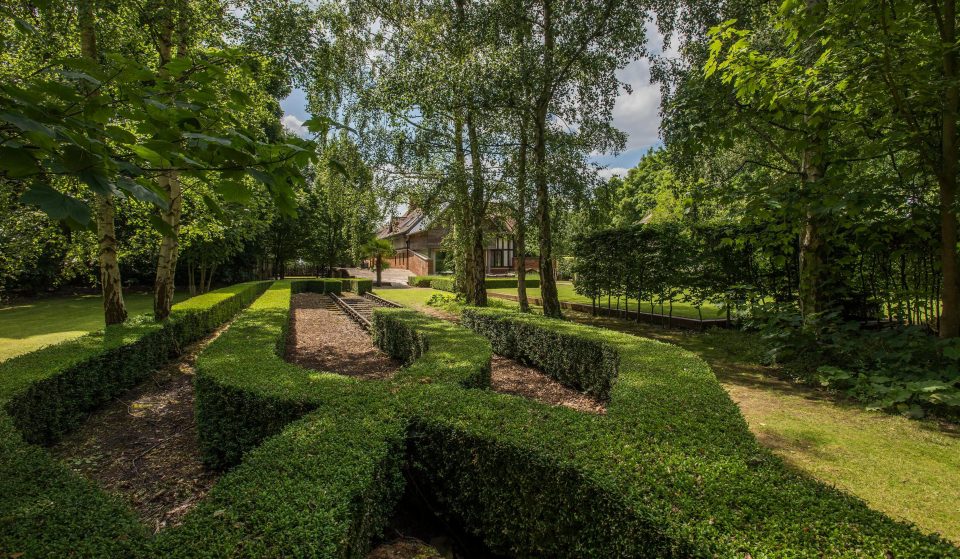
[(417, 244)]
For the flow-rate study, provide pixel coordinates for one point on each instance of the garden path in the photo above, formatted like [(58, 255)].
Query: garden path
[(323, 338), (144, 444)]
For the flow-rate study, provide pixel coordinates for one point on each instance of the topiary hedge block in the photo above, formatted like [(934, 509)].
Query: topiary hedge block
[(572, 356)]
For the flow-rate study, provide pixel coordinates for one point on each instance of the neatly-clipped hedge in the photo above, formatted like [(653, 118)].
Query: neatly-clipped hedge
[(421, 281), (358, 285), (45, 509), (434, 350), (567, 353), (319, 285), (47, 392), (670, 470), (445, 283), (324, 486)]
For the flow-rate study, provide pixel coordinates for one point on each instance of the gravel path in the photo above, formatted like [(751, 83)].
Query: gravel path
[(321, 337)]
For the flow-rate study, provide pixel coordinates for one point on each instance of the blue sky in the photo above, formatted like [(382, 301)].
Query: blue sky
[(636, 113)]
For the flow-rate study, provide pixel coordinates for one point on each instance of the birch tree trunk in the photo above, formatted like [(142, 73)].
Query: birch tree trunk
[(812, 261), (476, 266), (111, 285), (520, 231), (548, 285), (169, 182)]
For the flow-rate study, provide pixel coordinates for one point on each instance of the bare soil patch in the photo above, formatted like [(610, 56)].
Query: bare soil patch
[(511, 377), (323, 338), (144, 445)]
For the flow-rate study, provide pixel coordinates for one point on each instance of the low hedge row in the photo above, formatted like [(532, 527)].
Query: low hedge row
[(48, 392), (445, 283), (571, 355), (433, 350), (45, 509), (670, 471), (358, 285), (327, 474)]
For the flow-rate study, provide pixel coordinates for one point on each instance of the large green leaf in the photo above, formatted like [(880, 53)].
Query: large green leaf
[(56, 204)]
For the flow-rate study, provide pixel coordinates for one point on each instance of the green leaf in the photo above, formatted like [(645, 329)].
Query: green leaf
[(234, 191), (57, 205), (148, 154), (142, 193), (17, 162), (27, 124), (339, 167)]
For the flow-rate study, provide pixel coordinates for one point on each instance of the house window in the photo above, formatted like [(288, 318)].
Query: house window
[(501, 256)]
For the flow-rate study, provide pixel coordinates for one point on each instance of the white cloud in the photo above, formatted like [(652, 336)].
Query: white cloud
[(295, 125), (608, 172), (638, 113)]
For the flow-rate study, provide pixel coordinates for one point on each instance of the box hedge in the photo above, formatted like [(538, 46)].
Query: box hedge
[(321, 453), (45, 509), (567, 353), (670, 471), (445, 283)]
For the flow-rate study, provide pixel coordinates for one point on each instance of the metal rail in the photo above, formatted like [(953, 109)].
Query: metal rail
[(351, 312), (380, 301)]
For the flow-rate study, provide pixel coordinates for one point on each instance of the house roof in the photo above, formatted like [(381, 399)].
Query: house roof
[(403, 225), (415, 221)]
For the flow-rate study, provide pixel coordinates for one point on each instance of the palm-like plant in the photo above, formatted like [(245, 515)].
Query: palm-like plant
[(378, 249)]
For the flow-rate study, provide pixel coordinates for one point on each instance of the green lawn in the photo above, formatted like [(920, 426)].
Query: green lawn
[(906, 468), (30, 325), (566, 293)]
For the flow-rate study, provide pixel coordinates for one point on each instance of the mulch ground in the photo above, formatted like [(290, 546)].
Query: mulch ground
[(511, 377), (323, 338), (144, 445)]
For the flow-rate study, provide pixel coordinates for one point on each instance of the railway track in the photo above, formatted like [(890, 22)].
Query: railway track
[(360, 308)]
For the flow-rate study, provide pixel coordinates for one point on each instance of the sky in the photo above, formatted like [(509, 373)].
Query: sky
[(636, 113)]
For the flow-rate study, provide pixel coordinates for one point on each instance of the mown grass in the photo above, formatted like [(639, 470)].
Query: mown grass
[(905, 468), (566, 293), (30, 325)]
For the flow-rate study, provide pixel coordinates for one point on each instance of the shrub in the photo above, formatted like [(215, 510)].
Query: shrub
[(569, 354), (670, 471), (358, 285), (420, 281), (901, 368), (446, 283), (48, 392), (45, 509), (443, 284)]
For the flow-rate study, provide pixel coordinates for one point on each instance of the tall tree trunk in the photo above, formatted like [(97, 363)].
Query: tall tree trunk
[(114, 310), (812, 261), (213, 268), (169, 182), (462, 245), (163, 286), (548, 285), (111, 286), (520, 233), (476, 269), (379, 269), (950, 314)]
